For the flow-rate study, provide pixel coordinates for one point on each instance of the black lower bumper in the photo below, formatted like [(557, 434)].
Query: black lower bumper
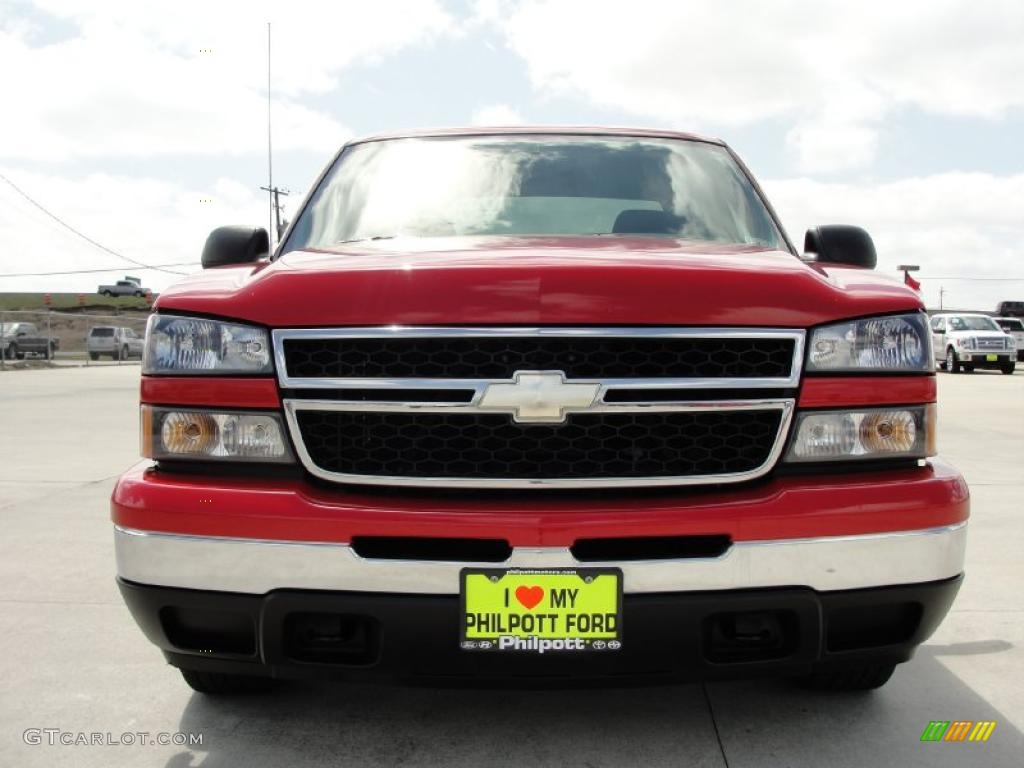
[(415, 638), (980, 362)]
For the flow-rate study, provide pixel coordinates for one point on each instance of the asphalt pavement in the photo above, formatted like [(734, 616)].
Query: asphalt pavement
[(72, 661)]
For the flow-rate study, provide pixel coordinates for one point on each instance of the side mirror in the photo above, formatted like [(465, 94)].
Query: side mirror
[(841, 244), (235, 245)]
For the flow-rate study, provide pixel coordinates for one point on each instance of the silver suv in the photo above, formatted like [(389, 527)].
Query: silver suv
[(119, 342)]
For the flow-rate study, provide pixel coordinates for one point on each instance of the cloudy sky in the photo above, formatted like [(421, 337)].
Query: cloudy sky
[(143, 125)]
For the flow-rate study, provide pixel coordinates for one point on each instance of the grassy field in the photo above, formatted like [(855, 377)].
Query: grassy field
[(65, 301)]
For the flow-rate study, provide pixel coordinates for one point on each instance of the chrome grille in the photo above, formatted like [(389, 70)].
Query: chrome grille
[(547, 407), (989, 343), (579, 357), (491, 446)]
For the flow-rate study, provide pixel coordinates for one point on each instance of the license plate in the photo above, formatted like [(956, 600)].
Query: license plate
[(541, 611), (992, 358)]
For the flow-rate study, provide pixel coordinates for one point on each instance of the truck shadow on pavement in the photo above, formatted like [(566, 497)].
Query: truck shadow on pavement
[(753, 723)]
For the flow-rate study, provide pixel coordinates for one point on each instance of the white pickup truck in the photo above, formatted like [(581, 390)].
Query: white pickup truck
[(1015, 327), (126, 287), (969, 341)]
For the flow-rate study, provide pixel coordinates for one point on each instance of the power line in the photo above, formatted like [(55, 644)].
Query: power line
[(979, 279), (90, 271), (88, 239)]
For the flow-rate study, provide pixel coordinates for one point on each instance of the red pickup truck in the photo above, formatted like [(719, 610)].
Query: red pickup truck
[(538, 405)]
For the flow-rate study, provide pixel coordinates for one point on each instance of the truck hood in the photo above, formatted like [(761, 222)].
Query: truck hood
[(538, 281)]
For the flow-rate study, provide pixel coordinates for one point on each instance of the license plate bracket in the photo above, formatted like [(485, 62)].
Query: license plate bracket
[(540, 610)]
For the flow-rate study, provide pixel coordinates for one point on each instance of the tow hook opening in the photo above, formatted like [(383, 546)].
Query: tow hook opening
[(331, 638), (209, 631), (749, 636)]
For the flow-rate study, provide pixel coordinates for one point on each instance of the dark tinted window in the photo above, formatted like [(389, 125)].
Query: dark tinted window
[(102, 332)]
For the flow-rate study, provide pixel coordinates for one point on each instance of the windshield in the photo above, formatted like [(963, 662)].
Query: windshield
[(973, 323), (524, 185)]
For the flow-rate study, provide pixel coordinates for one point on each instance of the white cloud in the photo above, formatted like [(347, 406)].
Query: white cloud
[(496, 114), (832, 69), (829, 145), (952, 224), (154, 221), (136, 79)]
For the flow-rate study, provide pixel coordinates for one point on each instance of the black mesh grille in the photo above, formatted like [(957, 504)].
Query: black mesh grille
[(592, 445), (499, 358)]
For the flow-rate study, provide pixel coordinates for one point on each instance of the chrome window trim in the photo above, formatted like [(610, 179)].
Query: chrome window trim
[(478, 387), (786, 406)]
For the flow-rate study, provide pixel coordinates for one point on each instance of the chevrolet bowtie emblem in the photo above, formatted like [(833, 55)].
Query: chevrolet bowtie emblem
[(539, 396)]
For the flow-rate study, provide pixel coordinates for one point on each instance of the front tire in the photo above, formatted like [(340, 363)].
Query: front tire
[(220, 684), (952, 361), (123, 354), (94, 356), (11, 353), (855, 677), (1009, 368)]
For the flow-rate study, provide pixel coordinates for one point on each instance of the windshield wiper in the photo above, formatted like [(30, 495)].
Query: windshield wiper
[(366, 239)]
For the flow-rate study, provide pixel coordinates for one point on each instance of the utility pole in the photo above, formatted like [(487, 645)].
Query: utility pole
[(276, 207), (942, 292)]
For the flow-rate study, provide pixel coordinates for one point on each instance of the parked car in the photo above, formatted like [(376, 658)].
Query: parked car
[(970, 341), (1010, 309), (120, 343), (1015, 327), (126, 287), (422, 439), (20, 339)]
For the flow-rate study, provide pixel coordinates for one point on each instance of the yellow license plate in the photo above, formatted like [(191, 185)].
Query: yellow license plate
[(541, 611), (991, 358)]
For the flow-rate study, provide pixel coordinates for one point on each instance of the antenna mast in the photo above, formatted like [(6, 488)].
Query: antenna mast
[(270, 155)]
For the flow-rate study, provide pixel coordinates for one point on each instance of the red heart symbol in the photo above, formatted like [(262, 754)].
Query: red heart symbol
[(529, 596)]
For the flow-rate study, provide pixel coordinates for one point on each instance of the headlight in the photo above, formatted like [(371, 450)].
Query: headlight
[(899, 343), (176, 344), (878, 433), (174, 433), (966, 343)]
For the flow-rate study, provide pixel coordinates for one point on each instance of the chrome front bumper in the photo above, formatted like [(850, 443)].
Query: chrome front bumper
[(254, 566)]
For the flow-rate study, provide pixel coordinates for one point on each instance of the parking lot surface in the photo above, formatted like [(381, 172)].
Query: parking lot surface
[(72, 659)]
